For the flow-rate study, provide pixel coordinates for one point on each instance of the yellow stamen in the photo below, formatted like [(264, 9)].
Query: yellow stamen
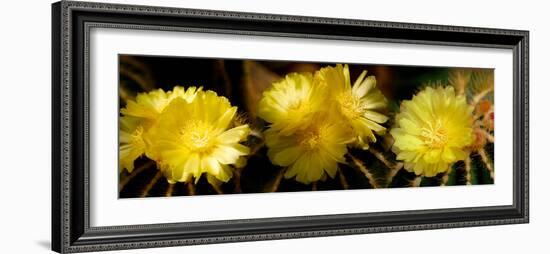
[(197, 136), (350, 106), (311, 138), (435, 136), (137, 138)]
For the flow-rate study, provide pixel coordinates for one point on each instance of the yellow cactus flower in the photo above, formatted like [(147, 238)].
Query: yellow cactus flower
[(361, 105), (138, 119), (147, 105), (433, 131), (150, 105), (195, 138), (311, 153), (186, 94), (132, 144), (290, 103)]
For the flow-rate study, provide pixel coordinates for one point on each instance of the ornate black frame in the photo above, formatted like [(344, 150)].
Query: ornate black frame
[(71, 22)]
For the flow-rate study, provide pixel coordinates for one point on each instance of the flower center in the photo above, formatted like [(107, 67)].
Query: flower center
[(434, 135), (298, 107), (310, 138), (137, 138), (350, 106), (197, 136)]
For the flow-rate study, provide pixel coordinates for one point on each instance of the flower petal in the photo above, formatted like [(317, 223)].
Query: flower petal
[(234, 135)]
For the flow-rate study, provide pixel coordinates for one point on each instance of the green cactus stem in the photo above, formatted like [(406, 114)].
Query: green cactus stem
[(361, 167), (381, 157), (150, 185), (169, 190), (467, 170), (277, 181), (416, 181), (343, 180), (488, 165), (393, 171), (237, 180), (217, 189), (191, 191), (445, 178), (125, 179)]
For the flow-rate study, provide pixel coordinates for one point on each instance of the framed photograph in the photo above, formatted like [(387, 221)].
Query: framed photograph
[(180, 126)]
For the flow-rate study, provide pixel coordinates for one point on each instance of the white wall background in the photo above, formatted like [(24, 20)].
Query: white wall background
[(25, 125)]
